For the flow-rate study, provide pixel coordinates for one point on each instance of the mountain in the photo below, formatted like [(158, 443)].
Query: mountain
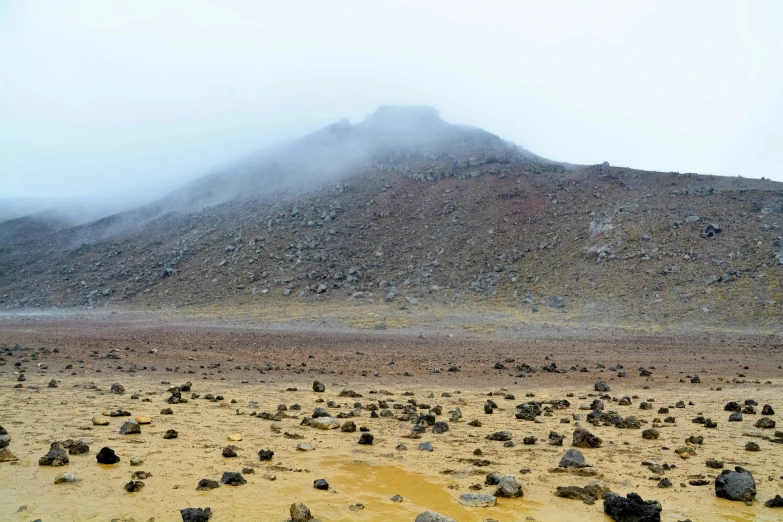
[(405, 208)]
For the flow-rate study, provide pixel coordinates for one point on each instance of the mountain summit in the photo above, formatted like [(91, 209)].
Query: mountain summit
[(404, 208)]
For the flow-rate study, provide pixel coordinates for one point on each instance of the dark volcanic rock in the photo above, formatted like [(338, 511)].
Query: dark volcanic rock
[(736, 485), (601, 386), (440, 427), (774, 502), (77, 448), (588, 494), (318, 387), (171, 434), (584, 439), (55, 457), (107, 456), (632, 508), (232, 478), (229, 452), (130, 427), (573, 459), (500, 435), (266, 455), (207, 484), (133, 486), (195, 514), (117, 388), (366, 438), (320, 484), (555, 439), (765, 423)]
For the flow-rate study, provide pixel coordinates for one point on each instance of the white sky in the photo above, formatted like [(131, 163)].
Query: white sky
[(110, 98)]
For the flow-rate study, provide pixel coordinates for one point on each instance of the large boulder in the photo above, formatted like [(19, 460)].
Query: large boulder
[(631, 508), (736, 485)]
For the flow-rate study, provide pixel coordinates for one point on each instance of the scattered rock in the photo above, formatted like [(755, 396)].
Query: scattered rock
[(325, 423), (7, 456), (765, 423), (65, 478), (584, 439), (229, 452), (432, 516), (320, 484), (500, 435), (266, 455), (588, 494), (130, 427), (133, 486), (509, 487), (774, 502), (477, 500), (602, 387), (232, 478), (107, 456), (573, 459), (195, 514), (631, 508), (737, 485), (207, 484), (55, 457), (300, 513)]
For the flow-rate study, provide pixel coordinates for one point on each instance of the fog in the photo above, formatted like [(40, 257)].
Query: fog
[(122, 102)]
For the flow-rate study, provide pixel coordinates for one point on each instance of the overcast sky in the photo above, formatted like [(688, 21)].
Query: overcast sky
[(103, 98)]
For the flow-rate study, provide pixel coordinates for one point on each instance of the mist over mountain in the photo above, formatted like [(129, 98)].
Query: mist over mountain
[(404, 207)]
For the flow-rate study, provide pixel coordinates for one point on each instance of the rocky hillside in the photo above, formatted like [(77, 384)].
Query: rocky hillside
[(408, 209)]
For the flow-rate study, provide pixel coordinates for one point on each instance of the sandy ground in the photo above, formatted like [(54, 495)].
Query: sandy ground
[(256, 366)]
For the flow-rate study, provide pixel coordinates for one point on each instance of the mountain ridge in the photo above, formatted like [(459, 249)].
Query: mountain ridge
[(409, 209)]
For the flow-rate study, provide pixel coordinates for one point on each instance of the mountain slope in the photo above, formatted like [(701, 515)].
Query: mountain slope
[(408, 209)]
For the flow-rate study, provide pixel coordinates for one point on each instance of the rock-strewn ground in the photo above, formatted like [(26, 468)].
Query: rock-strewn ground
[(256, 368)]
